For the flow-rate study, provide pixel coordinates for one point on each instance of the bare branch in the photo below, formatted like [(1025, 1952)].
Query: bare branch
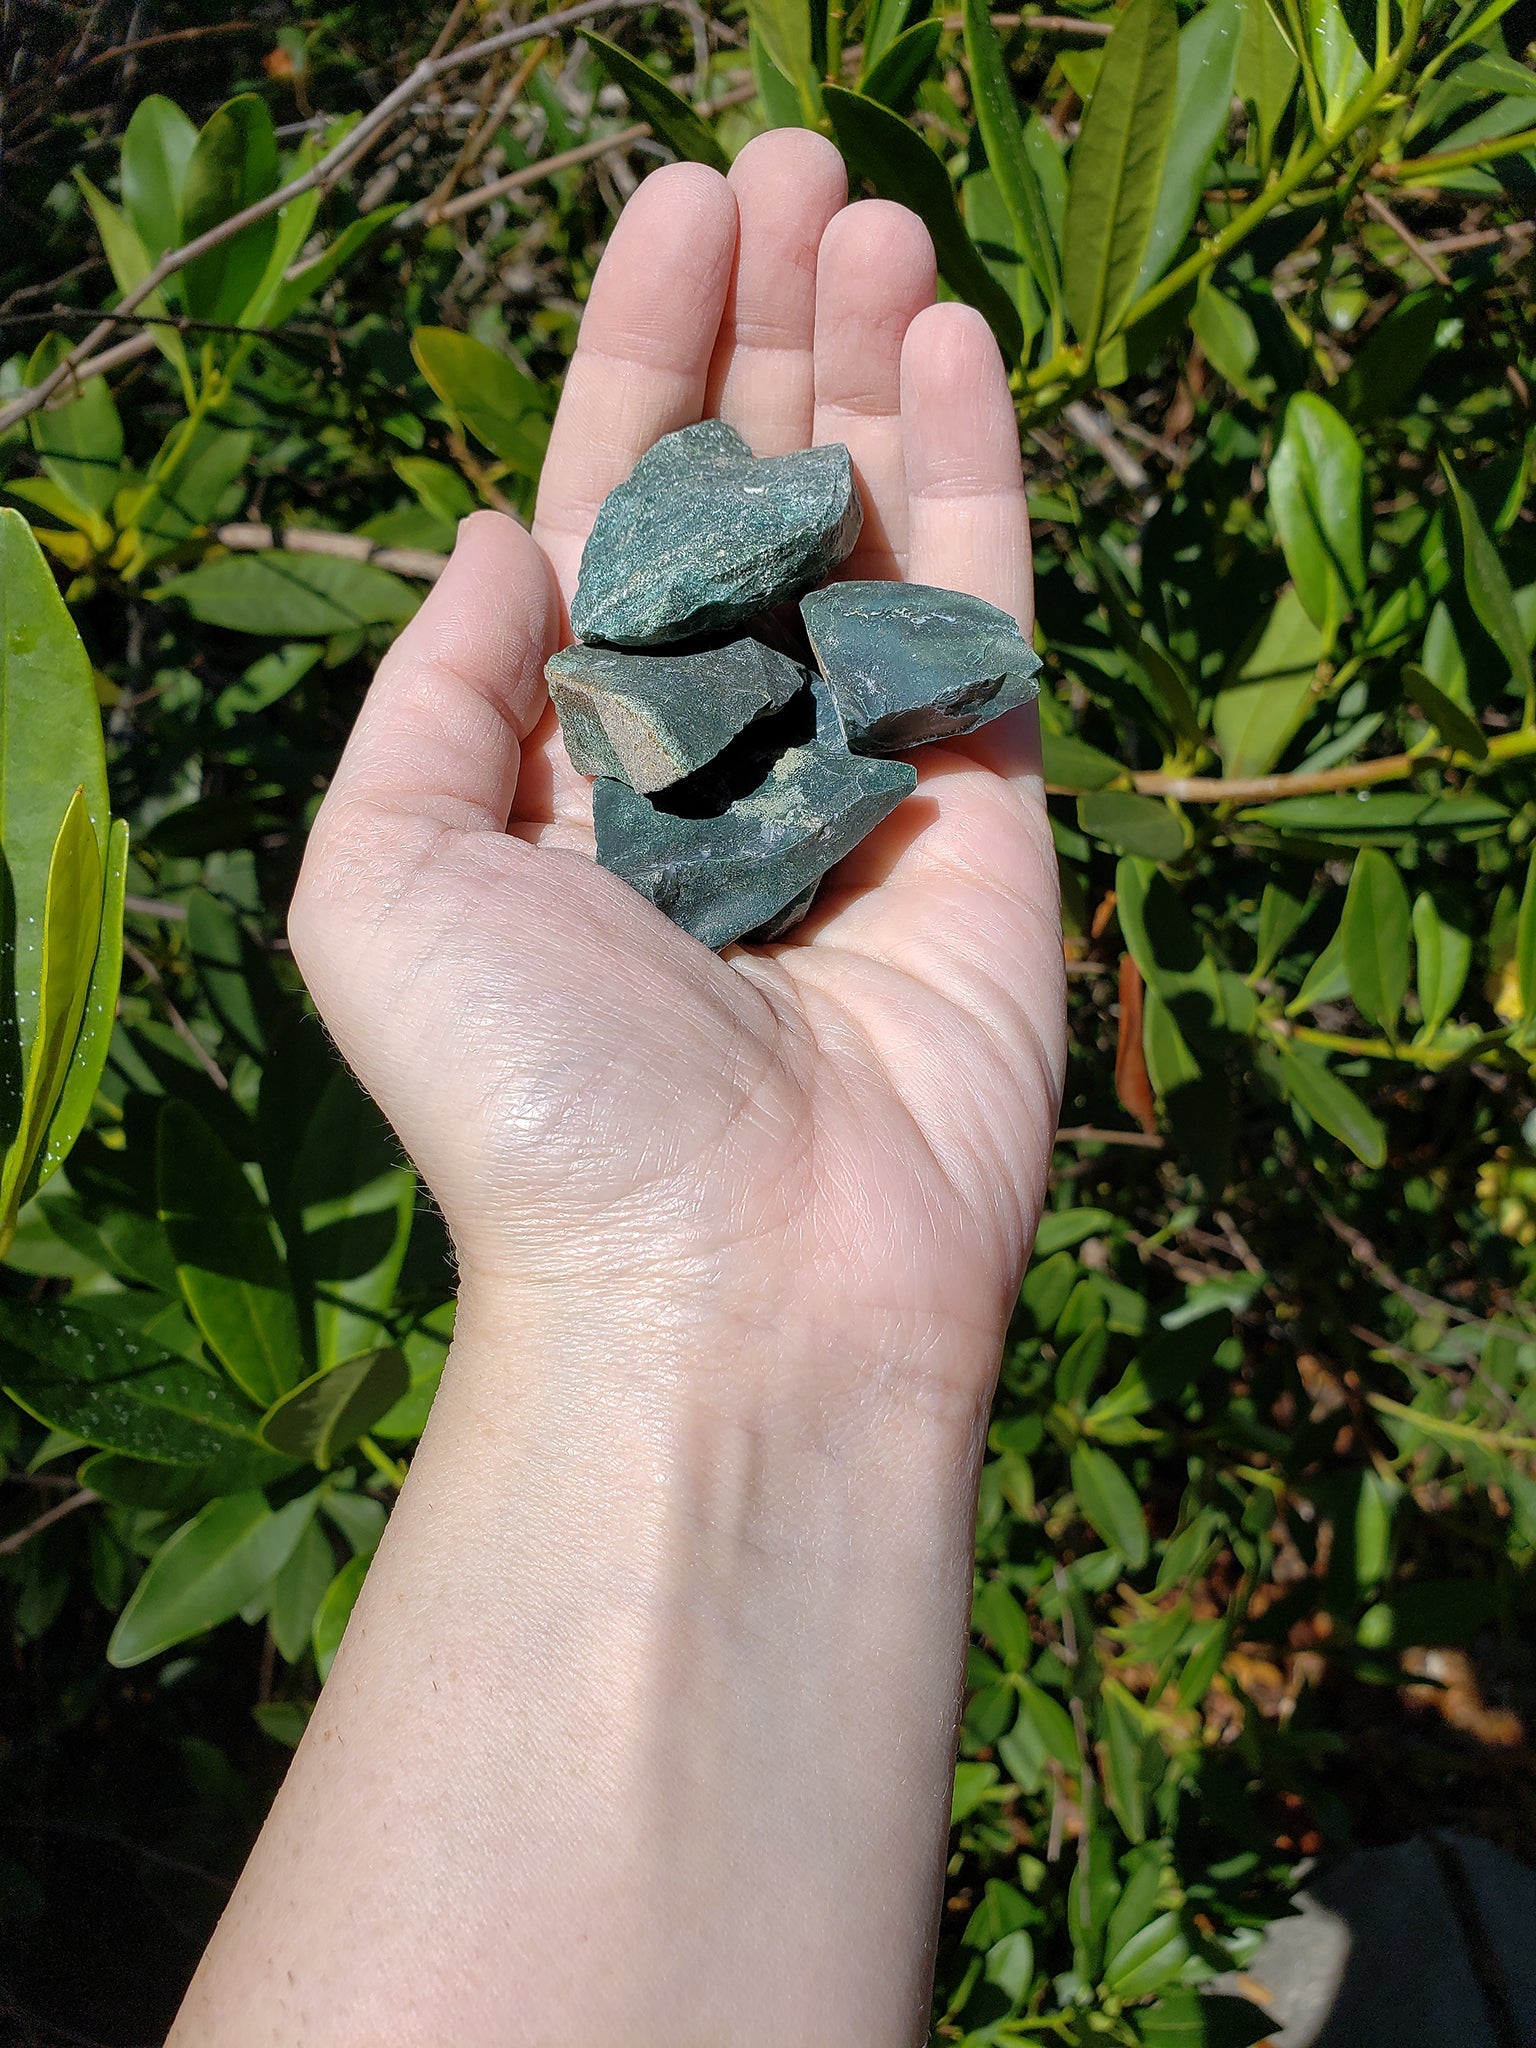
[(85, 1498), (324, 174)]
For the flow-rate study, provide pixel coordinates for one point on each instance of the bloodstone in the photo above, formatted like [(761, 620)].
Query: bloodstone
[(907, 663), (703, 535), (735, 860), (651, 719)]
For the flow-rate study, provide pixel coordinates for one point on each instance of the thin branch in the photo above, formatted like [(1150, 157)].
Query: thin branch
[(323, 174), (1090, 1134), (175, 35), (250, 536), (1408, 238), (85, 1498), (568, 159), (178, 1023)]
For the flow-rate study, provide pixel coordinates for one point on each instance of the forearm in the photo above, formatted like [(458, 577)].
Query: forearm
[(643, 1728)]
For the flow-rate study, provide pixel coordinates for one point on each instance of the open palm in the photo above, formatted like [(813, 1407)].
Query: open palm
[(854, 1121)]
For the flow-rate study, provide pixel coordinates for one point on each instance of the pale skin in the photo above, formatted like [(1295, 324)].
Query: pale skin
[(642, 1732)]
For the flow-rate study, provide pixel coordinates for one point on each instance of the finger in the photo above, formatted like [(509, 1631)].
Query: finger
[(643, 355), (969, 522), (788, 184), (440, 733), (874, 275)]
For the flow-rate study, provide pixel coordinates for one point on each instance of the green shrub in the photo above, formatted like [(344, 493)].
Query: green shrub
[(1265, 1429)]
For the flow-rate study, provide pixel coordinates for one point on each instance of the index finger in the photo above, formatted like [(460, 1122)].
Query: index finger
[(642, 358)]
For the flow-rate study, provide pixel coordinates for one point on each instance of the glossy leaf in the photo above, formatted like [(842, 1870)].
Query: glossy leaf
[(1488, 588), (189, 489), (1117, 168), (1002, 134), (672, 119), (1525, 947), (292, 290), (77, 1369), (1255, 721), (1229, 339), (1334, 1105), (352, 1198), (1109, 1503), (781, 103), (226, 1262), (232, 166), (80, 444), (297, 1591), (1357, 814), (1207, 67), (1267, 71), (1442, 958), (1452, 721), (1375, 928), (131, 262), (1194, 2019), (1132, 824), (878, 145), (896, 76), (71, 922), (783, 27), (334, 1612), (327, 1413), (157, 150), (211, 1568), (1317, 504), (1281, 916), (291, 596), (496, 401)]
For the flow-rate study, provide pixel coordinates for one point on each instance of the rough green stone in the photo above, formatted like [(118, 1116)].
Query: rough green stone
[(702, 535), (651, 719), (733, 850), (907, 663)]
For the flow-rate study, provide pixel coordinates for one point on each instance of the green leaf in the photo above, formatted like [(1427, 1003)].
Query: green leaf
[(1455, 724), (783, 28), (1151, 1958), (1117, 169), (189, 489), (291, 291), (1334, 1105), (231, 968), (1443, 956), (781, 103), (1189, 2019), (157, 150), (1267, 72), (297, 1591), (878, 145), (1375, 930), (1326, 979), (228, 1267), (327, 1413), (1109, 1504), (352, 1200), (233, 166), (496, 401), (1336, 58), (1073, 764), (1317, 504), (1281, 916), (334, 1612), (131, 262), (1525, 946), (75, 1368), (672, 119), (1207, 66), (894, 78), (1488, 587), (80, 445), (1002, 134), (1256, 720), (974, 1786), (1229, 338), (1385, 377), (1365, 812), (71, 924), (269, 678), (1062, 1228), (93, 1034), (1132, 824), (204, 1574), (291, 596)]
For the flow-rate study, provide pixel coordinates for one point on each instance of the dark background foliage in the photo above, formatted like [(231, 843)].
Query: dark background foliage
[(1257, 1520)]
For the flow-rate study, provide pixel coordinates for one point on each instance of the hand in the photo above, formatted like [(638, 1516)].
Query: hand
[(854, 1122), (643, 1728)]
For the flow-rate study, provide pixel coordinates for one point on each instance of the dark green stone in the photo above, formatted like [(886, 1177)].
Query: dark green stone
[(703, 535), (734, 849), (907, 663), (650, 719)]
